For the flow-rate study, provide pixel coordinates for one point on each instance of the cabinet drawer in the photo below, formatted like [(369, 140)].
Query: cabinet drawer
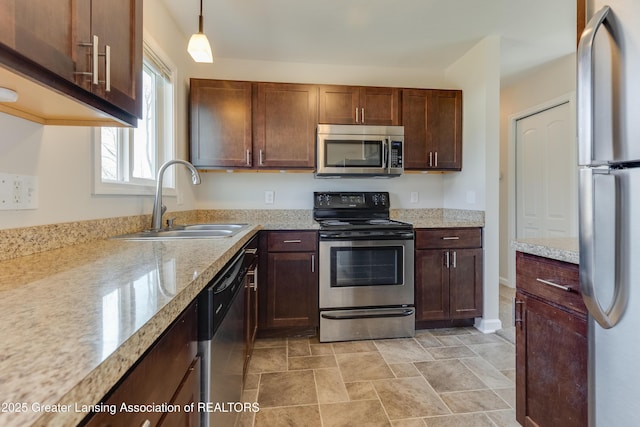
[(537, 276), (292, 241), (448, 238)]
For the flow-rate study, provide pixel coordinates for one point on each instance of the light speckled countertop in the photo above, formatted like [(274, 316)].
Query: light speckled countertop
[(560, 248), (75, 319)]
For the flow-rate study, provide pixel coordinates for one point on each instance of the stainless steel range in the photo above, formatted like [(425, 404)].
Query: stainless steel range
[(365, 268)]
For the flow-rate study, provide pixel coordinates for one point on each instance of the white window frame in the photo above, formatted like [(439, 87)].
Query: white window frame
[(166, 142)]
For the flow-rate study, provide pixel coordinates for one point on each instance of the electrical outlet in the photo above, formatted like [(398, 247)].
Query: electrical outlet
[(269, 196), (18, 192)]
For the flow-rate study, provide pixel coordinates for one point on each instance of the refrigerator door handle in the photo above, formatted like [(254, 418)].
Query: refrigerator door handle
[(598, 244), (585, 89)]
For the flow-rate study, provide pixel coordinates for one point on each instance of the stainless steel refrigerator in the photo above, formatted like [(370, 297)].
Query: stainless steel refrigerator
[(608, 96)]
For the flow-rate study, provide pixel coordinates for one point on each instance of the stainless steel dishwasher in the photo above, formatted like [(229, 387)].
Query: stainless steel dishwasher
[(221, 341)]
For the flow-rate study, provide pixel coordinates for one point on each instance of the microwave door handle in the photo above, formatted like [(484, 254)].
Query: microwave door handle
[(385, 154), (585, 88)]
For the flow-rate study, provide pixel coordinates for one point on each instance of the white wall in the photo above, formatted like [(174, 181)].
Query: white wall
[(538, 86), (476, 186), (62, 157)]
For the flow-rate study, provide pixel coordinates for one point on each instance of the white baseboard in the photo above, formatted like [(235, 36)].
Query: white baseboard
[(504, 281), (487, 326)]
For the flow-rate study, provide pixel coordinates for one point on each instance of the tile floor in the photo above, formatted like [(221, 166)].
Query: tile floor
[(441, 377)]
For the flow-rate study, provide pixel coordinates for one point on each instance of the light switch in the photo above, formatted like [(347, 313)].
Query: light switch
[(414, 197)]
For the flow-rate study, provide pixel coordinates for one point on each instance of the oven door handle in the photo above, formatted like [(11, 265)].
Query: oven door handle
[(369, 314)]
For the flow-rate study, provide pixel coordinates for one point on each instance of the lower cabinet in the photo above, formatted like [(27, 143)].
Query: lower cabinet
[(289, 264), (551, 344), (448, 274), (169, 373)]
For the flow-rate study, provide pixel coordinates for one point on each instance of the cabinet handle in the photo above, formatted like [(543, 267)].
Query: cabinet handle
[(451, 238), (253, 282), (436, 159), (251, 251), (107, 68), (430, 159), (555, 285), (260, 155), (313, 263), (517, 314), (94, 60), (446, 262), (292, 241), (455, 256), (146, 423), (357, 115), (362, 114), (248, 158)]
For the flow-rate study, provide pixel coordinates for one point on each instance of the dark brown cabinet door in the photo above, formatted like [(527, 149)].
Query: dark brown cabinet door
[(188, 394), (465, 283), (118, 25), (285, 119), (432, 121), (220, 123), (42, 31), (359, 105), (292, 290), (551, 365), (432, 285)]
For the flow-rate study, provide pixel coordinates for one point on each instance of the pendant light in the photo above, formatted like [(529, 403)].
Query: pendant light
[(199, 47)]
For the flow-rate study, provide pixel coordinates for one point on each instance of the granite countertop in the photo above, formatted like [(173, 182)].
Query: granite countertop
[(74, 320), (559, 248)]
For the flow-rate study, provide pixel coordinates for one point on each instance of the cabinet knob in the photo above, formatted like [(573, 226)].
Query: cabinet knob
[(146, 423)]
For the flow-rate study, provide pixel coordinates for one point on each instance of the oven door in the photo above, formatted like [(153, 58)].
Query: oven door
[(365, 273)]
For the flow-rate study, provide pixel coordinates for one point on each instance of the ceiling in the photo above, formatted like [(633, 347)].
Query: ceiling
[(429, 34)]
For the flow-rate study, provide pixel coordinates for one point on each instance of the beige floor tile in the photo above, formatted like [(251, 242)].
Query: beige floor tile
[(489, 375), (427, 340), (320, 349), (449, 341), (361, 390), (363, 367), (509, 373), (450, 331), (361, 413), (402, 350), (451, 352), (288, 416), (298, 347), (312, 362), (409, 398), (251, 381), (474, 401), (460, 420), (504, 418), (508, 395), (479, 339), (270, 342), (268, 359), (402, 370), (409, 422), (330, 387), (354, 347), (449, 375), (500, 355), (287, 388)]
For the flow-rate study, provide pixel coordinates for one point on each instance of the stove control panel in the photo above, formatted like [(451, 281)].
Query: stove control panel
[(351, 200)]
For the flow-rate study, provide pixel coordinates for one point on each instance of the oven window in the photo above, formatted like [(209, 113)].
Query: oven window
[(349, 153), (367, 266)]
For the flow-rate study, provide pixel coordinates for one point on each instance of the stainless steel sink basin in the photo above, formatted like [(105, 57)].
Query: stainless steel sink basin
[(192, 231)]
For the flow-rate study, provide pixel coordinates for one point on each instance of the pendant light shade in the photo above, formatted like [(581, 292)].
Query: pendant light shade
[(199, 47)]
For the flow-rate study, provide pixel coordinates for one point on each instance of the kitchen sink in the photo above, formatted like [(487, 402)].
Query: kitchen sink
[(191, 231)]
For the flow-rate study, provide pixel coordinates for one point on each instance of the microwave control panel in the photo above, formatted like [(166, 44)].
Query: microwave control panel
[(395, 154)]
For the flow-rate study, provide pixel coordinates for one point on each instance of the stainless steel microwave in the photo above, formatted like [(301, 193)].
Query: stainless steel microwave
[(359, 151)]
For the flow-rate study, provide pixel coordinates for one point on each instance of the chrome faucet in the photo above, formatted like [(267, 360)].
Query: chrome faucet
[(158, 207)]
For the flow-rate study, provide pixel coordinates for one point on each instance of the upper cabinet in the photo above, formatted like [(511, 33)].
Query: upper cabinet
[(237, 124), (72, 62), (432, 120), (220, 123), (284, 128), (359, 105)]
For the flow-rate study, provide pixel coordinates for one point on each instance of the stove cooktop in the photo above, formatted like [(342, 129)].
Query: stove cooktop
[(358, 224)]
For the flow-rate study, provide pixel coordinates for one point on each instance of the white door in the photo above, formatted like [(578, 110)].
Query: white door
[(546, 174)]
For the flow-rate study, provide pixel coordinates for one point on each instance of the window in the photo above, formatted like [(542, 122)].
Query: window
[(127, 159)]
